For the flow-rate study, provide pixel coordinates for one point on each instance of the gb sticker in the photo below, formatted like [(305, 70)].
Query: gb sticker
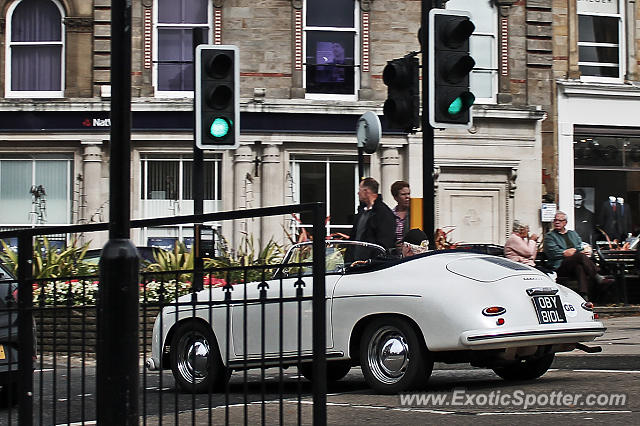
[(570, 310)]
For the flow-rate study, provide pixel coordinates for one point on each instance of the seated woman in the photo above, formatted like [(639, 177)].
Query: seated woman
[(520, 246)]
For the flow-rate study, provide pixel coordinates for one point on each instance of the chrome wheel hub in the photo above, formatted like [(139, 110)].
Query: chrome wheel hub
[(193, 357), (388, 355)]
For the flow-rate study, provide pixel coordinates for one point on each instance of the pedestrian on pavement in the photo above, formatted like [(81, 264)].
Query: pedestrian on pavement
[(402, 194), (374, 223), (567, 256), (520, 246)]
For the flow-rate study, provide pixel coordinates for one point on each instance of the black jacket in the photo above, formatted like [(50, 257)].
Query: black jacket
[(380, 227)]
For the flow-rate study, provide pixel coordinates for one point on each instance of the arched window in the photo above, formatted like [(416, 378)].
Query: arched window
[(35, 49)]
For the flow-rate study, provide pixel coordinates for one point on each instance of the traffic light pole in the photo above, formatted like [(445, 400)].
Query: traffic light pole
[(428, 219), (197, 178)]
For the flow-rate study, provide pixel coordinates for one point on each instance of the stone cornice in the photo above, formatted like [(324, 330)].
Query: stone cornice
[(283, 106), (580, 88)]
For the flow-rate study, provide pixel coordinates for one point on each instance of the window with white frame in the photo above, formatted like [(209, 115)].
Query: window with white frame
[(333, 180), (173, 44), (35, 190), (166, 184), (35, 50), (483, 47), (166, 189), (600, 39), (330, 32)]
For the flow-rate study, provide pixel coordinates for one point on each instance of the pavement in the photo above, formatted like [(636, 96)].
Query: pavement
[(620, 343)]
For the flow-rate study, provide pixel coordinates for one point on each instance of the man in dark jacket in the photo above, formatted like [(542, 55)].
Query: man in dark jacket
[(374, 223)]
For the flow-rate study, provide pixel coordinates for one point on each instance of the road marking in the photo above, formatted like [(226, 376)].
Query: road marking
[(44, 370), (535, 413), (608, 371)]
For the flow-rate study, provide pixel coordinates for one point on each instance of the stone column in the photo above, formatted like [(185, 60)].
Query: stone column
[(244, 197), (92, 171), (272, 192), (391, 172)]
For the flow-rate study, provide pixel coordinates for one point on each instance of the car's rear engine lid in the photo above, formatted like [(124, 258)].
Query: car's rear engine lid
[(487, 268)]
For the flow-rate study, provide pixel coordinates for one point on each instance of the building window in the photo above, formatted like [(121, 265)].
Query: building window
[(329, 179), (599, 39), (38, 191), (35, 49), (483, 46), (330, 32), (173, 44)]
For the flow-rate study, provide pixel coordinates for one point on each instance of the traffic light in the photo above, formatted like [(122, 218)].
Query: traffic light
[(217, 97), (450, 99), (402, 107)]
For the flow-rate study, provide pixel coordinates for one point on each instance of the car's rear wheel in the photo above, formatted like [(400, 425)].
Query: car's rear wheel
[(336, 370), (392, 357), (526, 369), (195, 359)]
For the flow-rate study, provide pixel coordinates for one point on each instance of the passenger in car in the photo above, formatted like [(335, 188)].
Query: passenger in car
[(414, 242)]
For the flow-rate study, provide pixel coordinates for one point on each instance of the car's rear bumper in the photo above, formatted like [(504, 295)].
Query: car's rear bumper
[(532, 336)]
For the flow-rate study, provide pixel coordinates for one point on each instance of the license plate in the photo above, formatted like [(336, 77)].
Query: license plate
[(549, 309), (2, 354)]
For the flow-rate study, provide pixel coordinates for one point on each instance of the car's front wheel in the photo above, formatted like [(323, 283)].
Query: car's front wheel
[(195, 359), (392, 357), (526, 369), (336, 370)]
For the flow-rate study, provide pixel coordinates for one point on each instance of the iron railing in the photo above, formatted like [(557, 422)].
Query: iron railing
[(249, 321)]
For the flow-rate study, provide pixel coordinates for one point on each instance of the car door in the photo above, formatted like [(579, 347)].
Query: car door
[(293, 317)]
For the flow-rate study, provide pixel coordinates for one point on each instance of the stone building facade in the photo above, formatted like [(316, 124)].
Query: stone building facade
[(587, 50), (309, 69)]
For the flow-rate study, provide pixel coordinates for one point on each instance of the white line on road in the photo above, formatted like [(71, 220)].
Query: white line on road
[(608, 371), (535, 413)]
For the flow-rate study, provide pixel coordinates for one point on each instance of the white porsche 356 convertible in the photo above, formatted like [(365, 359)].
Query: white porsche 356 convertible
[(394, 318)]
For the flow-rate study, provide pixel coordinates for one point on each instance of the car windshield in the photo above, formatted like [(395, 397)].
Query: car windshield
[(335, 254)]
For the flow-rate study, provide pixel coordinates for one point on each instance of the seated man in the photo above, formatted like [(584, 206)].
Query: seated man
[(565, 255), (520, 246)]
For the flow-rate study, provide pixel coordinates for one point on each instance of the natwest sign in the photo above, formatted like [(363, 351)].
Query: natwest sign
[(598, 6), (96, 122)]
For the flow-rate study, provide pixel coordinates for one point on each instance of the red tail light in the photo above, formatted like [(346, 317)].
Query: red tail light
[(493, 310)]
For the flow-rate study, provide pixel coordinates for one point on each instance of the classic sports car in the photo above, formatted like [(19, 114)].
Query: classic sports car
[(394, 318)]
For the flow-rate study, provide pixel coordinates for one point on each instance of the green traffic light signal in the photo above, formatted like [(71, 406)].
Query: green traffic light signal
[(220, 127), (461, 103)]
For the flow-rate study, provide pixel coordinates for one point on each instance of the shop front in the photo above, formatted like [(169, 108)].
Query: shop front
[(599, 159)]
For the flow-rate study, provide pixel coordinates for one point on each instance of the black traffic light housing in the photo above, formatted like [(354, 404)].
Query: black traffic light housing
[(402, 107), (217, 97), (450, 98)]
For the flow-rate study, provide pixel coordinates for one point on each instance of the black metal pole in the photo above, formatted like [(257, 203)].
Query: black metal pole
[(319, 337), (25, 331), (197, 178), (117, 347), (197, 174), (428, 200), (360, 163)]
